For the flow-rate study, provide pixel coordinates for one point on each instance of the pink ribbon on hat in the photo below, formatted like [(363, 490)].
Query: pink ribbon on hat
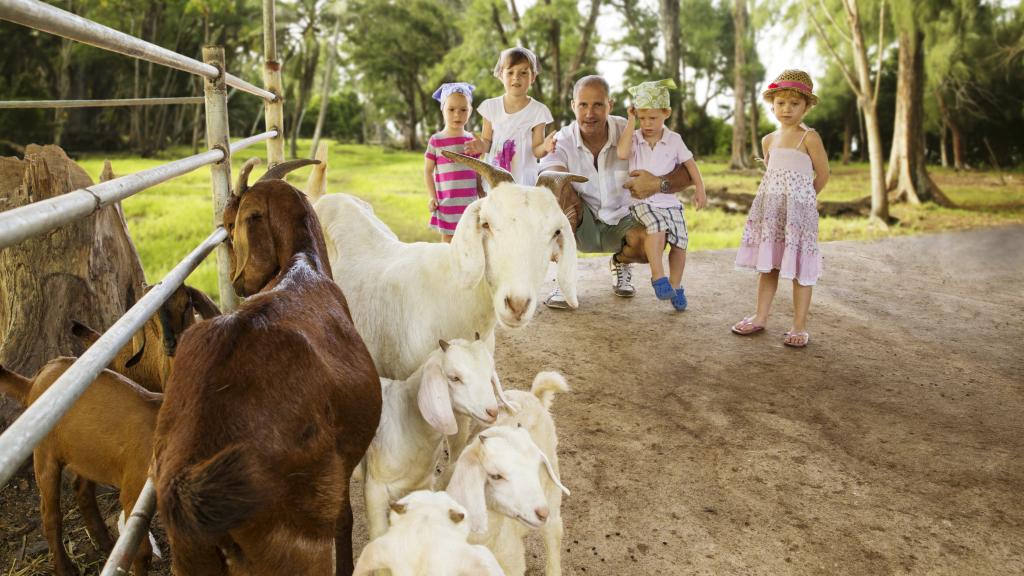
[(790, 84)]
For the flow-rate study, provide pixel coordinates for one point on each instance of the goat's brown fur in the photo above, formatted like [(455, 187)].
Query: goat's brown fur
[(268, 409), (147, 359), (106, 437)]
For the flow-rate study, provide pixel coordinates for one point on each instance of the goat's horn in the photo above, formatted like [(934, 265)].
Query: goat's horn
[(554, 181), (494, 174), (242, 184), (278, 172), (551, 473)]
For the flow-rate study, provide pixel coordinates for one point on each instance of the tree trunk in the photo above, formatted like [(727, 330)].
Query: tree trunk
[(554, 48), (569, 78), (668, 21), (954, 130), (943, 133), (754, 120), (739, 18), (88, 270), (325, 90), (909, 179), (849, 119)]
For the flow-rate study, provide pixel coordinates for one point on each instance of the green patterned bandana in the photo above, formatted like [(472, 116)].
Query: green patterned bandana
[(652, 94)]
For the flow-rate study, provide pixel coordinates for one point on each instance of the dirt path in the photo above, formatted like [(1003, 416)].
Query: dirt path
[(892, 445)]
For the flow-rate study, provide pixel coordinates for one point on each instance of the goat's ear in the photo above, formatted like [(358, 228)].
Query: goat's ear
[(467, 246), (477, 335), (202, 303), (467, 486), (434, 401), (398, 507), (138, 345), (567, 262), (455, 516), (444, 345)]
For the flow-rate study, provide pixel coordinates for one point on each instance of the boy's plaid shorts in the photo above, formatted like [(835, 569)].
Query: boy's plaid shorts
[(668, 220)]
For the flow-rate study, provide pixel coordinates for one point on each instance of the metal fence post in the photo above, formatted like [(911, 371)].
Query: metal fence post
[(274, 109), (220, 173)]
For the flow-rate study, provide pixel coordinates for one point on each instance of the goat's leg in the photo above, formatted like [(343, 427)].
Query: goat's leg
[(343, 565), (377, 504), (85, 497), (553, 533), (144, 555), (48, 479)]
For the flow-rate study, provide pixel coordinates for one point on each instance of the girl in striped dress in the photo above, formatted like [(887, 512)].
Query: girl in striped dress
[(452, 185)]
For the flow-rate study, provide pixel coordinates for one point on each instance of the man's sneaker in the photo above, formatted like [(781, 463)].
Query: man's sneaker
[(623, 277), (556, 300)]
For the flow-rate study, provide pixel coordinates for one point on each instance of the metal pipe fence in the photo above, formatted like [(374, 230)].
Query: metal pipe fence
[(26, 221), (136, 527), (34, 104), (42, 16)]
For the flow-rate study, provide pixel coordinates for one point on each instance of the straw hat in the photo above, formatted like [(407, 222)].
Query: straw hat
[(795, 80)]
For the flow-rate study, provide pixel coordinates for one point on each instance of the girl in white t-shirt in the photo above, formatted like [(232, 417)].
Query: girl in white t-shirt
[(513, 135)]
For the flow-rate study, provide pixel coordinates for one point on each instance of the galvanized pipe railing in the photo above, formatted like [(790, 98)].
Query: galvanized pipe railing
[(41, 16), (26, 221), (25, 104), (135, 529), (37, 420)]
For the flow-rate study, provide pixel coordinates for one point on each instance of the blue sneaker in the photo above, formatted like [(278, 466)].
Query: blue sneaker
[(679, 300), (662, 289)]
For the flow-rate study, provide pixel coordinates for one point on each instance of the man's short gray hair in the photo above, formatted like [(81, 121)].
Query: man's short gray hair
[(589, 80)]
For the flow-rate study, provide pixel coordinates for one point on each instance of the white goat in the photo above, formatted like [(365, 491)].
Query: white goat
[(427, 538), (497, 479), (403, 297), (417, 412), (533, 414)]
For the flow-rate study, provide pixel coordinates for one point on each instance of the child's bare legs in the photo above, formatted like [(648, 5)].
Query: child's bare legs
[(767, 284), (446, 238), (676, 264), (801, 306), (654, 247)]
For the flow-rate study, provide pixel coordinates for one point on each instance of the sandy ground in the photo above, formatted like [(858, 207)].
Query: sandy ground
[(893, 444)]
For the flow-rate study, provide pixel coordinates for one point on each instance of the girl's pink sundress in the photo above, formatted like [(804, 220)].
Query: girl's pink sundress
[(782, 227)]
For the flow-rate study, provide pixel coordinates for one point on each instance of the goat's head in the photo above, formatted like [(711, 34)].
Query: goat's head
[(508, 238), (501, 469), (459, 377), (267, 225), (437, 508)]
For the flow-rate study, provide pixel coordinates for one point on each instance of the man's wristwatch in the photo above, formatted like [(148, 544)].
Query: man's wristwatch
[(664, 186)]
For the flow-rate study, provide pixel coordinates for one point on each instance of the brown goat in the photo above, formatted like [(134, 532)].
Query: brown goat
[(144, 360), (106, 437), (269, 408)]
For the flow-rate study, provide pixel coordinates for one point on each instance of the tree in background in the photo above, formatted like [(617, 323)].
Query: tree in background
[(738, 161), (669, 22)]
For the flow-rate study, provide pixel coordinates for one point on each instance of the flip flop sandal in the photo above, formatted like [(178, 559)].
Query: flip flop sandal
[(804, 339), (746, 327)]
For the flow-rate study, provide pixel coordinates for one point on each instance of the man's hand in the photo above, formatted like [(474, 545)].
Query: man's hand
[(642, 184), (551, 142), (700, 198), (475, 147)]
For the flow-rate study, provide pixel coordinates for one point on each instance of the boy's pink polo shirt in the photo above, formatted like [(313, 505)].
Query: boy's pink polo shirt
[(668, 153)]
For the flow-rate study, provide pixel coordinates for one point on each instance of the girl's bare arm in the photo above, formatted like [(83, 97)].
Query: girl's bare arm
[(819, 160)]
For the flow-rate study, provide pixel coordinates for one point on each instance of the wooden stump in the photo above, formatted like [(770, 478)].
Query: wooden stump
[(87, 270)]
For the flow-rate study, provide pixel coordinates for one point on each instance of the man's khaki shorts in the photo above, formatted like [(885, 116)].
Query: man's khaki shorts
[(596, 236)]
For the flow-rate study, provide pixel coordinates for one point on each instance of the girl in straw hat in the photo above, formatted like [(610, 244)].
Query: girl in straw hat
[(781, 234), (452, 185), (659, 150)]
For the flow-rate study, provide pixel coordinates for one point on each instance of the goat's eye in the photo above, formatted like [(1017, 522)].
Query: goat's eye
[(456, 380), (496, 476)]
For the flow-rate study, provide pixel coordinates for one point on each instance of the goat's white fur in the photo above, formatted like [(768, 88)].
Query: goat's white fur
[(417, 412), (427, 538), (498, 479), (403, 297)]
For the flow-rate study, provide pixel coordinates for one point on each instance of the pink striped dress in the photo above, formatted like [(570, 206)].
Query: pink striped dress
[(455, 182)]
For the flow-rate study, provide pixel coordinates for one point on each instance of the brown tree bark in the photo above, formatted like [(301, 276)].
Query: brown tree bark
[(908, 178), (555, 51), (739, 19), (668, 21), (754, 120), (954, 130), (87, 271), (850, 118), (569, 78)]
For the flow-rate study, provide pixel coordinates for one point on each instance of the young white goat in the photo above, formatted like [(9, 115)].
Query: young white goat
[(534, 415), (404, 296), (427, 538), (458, 377), (498, 479)]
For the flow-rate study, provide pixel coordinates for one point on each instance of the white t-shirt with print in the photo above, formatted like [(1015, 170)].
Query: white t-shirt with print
[(512, 137)]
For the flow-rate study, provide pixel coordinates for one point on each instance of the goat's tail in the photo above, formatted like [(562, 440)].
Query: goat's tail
[(15, 385), (316, 185), (546, 385), (213, 495)]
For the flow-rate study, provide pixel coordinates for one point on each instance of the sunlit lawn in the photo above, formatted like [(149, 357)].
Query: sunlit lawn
[(167, 221)]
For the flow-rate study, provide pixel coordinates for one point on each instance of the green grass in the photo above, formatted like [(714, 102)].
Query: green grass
[(169, 220)]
